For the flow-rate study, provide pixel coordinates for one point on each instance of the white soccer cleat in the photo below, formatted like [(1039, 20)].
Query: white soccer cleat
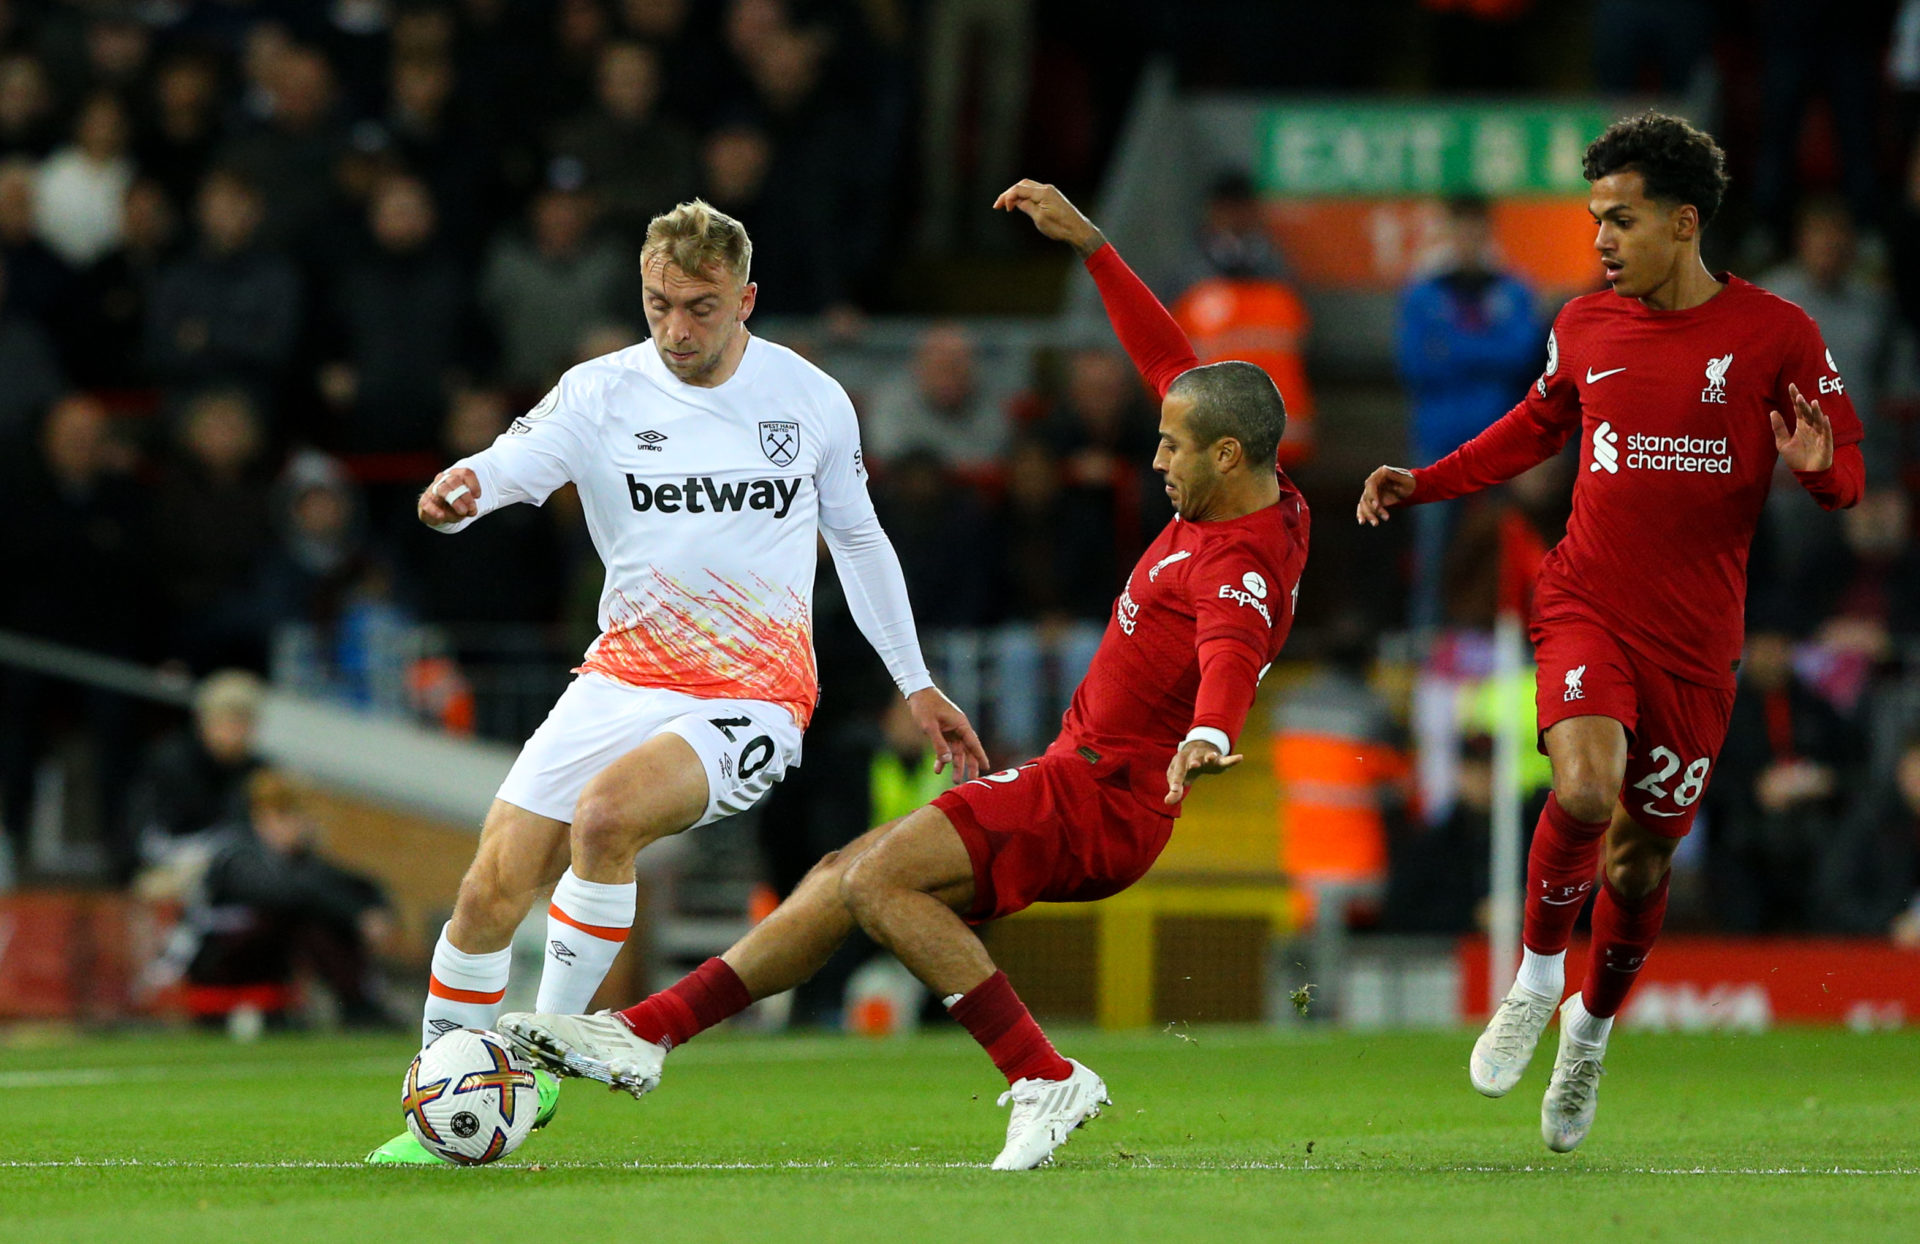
[(1045, 1112), (1503, 1051), (1566, 1113), (593, 1047)]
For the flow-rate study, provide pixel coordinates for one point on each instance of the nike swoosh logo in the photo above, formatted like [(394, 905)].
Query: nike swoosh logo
[(1593, 375), (1564, 902), (1650, 810)]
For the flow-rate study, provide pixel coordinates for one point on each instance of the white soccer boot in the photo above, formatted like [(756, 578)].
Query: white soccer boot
[(594, 1047), (1045, 1112), (1566, 1113), (1503, 1051)]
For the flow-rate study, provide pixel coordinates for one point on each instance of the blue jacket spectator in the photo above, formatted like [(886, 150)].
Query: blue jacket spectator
[(1467, 339)]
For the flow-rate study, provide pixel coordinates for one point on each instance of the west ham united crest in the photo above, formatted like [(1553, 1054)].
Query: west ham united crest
[(780, 441)]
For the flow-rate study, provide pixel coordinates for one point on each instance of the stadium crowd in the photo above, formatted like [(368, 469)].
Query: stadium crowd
[(265, 266)]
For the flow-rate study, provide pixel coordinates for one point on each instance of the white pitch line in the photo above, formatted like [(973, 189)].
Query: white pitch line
[(1145, 1163), (81, 1077)]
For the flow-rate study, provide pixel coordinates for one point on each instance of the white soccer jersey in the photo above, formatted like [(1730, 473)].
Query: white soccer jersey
[(704, 504)]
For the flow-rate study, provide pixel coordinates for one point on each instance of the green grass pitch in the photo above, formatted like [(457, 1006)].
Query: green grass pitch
[(1214, 1135)]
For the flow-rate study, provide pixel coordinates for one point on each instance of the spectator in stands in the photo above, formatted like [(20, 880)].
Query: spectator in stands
[(183, 128), (83, 187), (1055, 566), (1655, 48), (290, 154), (1438, 875), (999, 33), (938, 408), (30, 374), (194, 781), (1780, 792), (512, 571), (115, 55), (273, 905), (1105, 434), (1855, 314), (39, 282), (73, 557), (212, 525), (29, 125), (1898, 870), (110, 298), (1467, 336), (1806, 50), (1237, 305), (939, 529), (641, 162), (434, 135), (400, 311), (544, 290), (228, 313)]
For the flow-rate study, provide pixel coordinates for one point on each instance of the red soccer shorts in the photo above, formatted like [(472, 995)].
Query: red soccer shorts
[(1674, 727), (1055, 830)]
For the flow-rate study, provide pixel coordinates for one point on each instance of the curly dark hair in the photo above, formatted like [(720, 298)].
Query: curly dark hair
[(1679, 163)]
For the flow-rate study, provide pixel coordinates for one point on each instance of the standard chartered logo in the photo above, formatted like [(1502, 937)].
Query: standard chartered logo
[(1605, 456), (1690, 455)]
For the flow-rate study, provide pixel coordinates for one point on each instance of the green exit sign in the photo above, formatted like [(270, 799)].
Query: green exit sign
[(1395, 150)]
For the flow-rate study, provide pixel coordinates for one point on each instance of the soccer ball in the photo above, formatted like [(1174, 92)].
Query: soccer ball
[(469, 1098)]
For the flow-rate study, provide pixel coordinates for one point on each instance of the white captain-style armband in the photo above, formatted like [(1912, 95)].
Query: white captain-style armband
[(1207, 734)]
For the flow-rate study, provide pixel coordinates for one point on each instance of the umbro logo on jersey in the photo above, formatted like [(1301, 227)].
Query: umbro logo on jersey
[(1716, 390), (1606, 455), (749, 494), (650, 440)]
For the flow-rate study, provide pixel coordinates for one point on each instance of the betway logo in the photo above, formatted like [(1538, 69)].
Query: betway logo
[(1693, 455), (751, 494)]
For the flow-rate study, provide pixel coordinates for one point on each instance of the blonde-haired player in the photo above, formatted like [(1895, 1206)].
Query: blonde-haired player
[(706, 459)]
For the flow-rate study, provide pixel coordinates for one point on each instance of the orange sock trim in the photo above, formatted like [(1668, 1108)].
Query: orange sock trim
[(451, 994), (604, 931)]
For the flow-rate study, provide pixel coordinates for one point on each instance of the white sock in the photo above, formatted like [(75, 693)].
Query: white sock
[(464, 990), (1582, 1027), (587, 924), (1542, 975)]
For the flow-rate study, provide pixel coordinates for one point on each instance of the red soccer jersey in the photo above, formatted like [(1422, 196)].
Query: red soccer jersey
[(1205, 598), (1676, 457)]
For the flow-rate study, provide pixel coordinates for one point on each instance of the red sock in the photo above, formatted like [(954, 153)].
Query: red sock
[(998, 1020), (1561, 866), (1623, 933), (702, 998)]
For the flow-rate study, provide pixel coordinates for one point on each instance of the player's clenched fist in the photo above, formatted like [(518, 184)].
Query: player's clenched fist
[(1052, 214), (1387, 487), (451, 497)]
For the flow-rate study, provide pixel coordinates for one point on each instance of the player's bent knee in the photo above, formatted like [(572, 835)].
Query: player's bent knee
[(1584, 793)]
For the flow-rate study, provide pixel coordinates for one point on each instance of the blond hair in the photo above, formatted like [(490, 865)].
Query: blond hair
[(696, 236)]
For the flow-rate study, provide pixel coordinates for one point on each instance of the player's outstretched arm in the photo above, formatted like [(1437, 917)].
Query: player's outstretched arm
[(1195, 759), (1387, 487), (952, 736), (453, 495), (1151, 338)]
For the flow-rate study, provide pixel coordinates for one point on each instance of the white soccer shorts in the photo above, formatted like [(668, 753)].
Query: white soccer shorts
[(745, 746)]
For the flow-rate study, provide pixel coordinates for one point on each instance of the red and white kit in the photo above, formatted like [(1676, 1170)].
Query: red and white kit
[(1638, 612), (1204, 612)]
